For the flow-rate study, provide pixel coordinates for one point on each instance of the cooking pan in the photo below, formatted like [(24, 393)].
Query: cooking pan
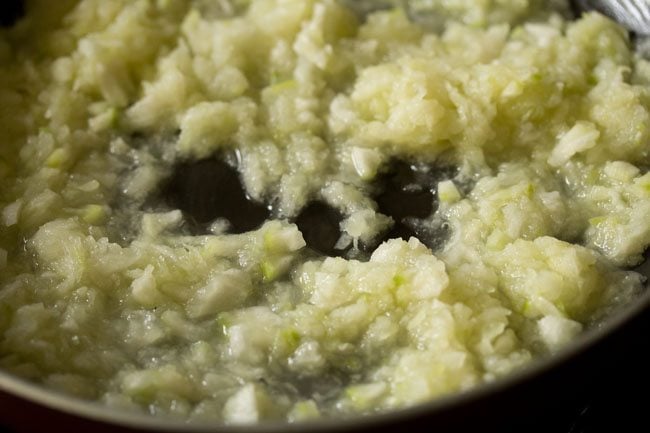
[(548, 395)]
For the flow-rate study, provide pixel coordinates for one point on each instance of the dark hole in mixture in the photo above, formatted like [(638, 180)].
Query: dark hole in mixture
[(319, 224), (11, 11), (408, 194), (210, 189)]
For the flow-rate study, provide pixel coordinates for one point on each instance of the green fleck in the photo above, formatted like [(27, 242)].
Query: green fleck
[(597, 220), (269, 241), (530, 190), (303, 410), (447, 192), (93, 214), (290, 339), (57, 158), (269, 271), (497, 240), (281, 87)]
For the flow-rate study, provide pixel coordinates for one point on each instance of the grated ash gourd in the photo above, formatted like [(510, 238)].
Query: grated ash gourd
[(546, 118)]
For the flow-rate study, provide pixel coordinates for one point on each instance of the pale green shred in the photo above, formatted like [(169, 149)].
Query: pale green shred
[(546, 118)]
